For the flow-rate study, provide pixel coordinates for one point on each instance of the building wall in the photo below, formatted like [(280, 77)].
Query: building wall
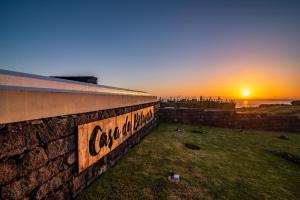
[(38, 158)]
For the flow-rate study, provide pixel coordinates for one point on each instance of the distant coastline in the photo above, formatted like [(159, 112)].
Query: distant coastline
[(256, 102)]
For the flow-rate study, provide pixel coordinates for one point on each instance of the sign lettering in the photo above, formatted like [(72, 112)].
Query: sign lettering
[(96, 139)]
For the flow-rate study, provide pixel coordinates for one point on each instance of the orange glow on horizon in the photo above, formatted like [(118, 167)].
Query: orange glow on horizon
[(262, 78), (260, 86)]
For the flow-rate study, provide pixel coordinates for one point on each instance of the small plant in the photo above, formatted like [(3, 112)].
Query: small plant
[(198, 102)]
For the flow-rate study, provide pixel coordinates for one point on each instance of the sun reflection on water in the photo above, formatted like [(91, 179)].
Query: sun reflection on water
[(245, 103)]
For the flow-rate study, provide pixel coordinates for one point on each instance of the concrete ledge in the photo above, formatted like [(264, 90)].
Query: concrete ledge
[(17, 79), (28, 97), (18, 105)]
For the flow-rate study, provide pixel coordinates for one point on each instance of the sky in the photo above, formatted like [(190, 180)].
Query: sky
[(167, 48)]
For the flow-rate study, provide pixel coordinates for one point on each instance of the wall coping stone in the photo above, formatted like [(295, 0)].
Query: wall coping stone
[(28, 97)]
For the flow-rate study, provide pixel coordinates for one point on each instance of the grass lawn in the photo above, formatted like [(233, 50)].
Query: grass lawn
[(229, 165)]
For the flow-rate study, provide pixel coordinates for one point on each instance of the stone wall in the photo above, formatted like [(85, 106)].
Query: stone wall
[(38, 158), (230, 119)]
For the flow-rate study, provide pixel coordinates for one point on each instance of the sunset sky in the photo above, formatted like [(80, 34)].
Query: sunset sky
[(167, 48)]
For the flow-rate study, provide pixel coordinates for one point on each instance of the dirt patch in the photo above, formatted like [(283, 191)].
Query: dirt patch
[(283, 137), (287, 156), (192, 146), (197, 131)]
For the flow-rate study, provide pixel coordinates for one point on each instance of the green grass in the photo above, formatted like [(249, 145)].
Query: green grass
[(230, 165)]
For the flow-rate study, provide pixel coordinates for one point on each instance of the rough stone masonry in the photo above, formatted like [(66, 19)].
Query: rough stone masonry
[(38, 158), (39, 122)]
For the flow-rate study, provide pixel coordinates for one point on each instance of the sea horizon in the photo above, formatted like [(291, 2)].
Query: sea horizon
[(256, 102)]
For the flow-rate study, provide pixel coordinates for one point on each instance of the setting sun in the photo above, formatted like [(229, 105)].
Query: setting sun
[(245, 93)]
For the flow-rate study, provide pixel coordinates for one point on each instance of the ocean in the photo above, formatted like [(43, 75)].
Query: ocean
[(255, 103)]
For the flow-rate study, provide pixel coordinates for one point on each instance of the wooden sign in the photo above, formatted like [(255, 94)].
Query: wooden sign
[(96, 139)]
